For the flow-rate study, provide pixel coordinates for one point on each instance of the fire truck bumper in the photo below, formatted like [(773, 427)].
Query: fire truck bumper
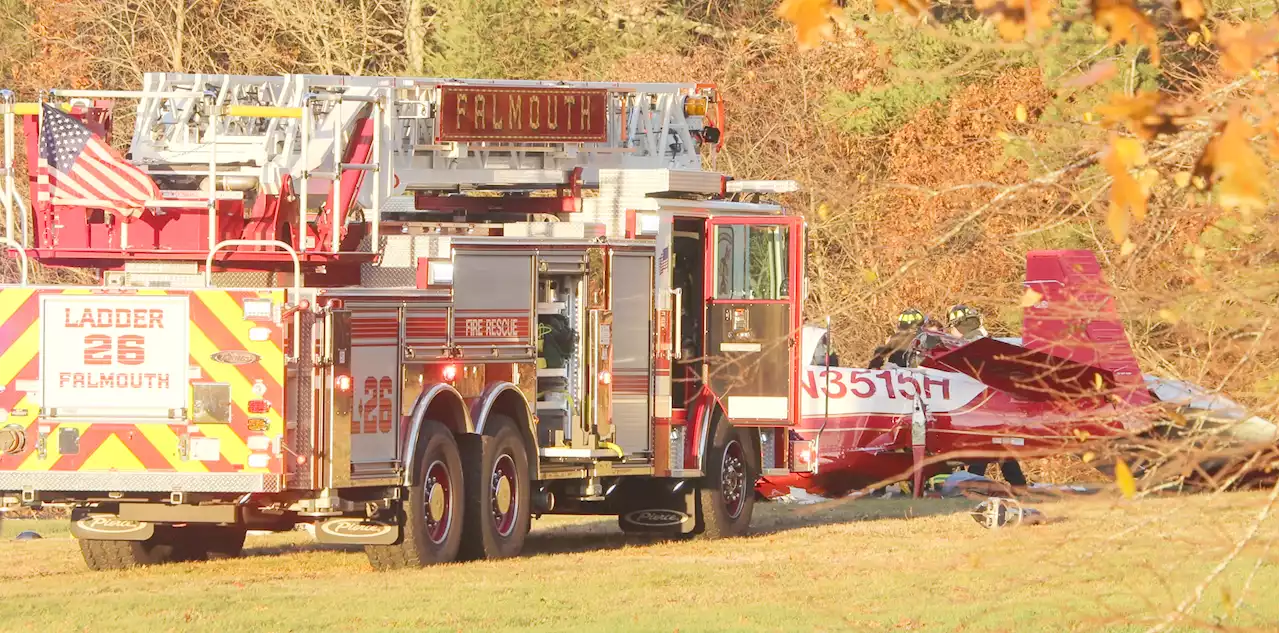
[(29, 483)]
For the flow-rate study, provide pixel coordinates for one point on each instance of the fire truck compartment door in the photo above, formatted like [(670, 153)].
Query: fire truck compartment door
[(114, 356), (632, 295), (493, 303), (374, 336), (752, 317)]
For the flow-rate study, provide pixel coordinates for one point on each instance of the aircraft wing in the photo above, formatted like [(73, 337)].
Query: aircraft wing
[(1023, 372)]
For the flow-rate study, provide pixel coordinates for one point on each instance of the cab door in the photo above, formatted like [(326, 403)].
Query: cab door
[(752, 290)]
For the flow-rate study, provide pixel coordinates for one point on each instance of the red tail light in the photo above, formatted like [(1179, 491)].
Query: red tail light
[(449, 372), (342, 383), (605, 377), (259, 406)]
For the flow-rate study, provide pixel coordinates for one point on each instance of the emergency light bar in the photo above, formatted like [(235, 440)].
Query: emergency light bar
[(761, 186)]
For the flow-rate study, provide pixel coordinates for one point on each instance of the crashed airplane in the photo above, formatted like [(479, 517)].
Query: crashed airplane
[(1072, 378)]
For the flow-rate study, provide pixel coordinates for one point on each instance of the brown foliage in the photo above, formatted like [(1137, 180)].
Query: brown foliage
[(1125, 22)]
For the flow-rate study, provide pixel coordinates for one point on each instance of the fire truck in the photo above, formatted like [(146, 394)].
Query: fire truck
[(411, 312)]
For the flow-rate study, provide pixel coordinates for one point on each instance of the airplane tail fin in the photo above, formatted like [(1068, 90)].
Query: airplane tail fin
[(1076, 318)]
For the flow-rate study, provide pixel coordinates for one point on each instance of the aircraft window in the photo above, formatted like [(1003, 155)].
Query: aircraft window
[(751, 262)]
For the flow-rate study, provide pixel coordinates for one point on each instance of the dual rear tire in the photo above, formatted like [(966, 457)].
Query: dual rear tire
[(470, 499), (193, 542)]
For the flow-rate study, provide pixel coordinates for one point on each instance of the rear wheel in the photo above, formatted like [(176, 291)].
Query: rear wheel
[(432, 515), (726, 495), (167, 545), (496, 468), (223, 541)]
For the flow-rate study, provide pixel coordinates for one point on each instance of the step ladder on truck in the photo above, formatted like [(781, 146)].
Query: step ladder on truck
[(412, 312)]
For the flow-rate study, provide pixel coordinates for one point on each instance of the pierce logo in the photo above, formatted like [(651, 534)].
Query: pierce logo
[(657, 517), (110, 525), (235, 357), (354, 528)]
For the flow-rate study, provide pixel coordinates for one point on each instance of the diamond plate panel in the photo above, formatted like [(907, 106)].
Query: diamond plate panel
[(302, 422), (244, 279), (139, 482)]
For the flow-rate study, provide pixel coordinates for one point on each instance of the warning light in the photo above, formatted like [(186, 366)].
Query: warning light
[(342, 383), (449, 372), (302, 460), (259, 406), (605, 377), (804, 457), (695, 106)]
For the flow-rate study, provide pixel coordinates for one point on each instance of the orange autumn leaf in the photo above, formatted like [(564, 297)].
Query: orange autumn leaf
[(812, 19), (1125, 23), (1125, 481), (1229, 161), (1192, 11), (910, 7), (1013, 18), (1128, 199), (1146, 114), (1271, 131), (1244, 45)]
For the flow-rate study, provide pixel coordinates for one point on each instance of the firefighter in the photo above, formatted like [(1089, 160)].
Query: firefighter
[(897, 349), (965, 323)]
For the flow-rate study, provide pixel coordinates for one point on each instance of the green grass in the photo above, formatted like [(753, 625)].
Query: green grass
[(47, 528), (866, 565)]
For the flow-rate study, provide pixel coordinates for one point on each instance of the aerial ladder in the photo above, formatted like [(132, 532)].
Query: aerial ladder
[(262, 170)]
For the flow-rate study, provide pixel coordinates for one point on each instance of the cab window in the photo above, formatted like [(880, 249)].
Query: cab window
[(751, 262)]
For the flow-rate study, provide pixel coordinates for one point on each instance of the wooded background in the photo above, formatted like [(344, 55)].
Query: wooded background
[(932, 153)]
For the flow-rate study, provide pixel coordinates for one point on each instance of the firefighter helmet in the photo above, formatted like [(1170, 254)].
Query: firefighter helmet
[(910, 318), (960, 312)]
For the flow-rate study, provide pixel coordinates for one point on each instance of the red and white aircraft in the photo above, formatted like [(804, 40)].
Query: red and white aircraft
[(1072, 376)]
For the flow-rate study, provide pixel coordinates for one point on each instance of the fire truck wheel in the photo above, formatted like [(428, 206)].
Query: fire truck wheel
[(496, 468), (102, 555), (725, 497), (432, 515), (223, 541)]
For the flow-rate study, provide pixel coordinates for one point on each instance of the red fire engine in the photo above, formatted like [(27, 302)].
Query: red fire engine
[(412, 312)]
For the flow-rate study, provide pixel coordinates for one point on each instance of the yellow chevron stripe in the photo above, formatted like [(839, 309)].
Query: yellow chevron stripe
[(231, 315), (234, 448), (52, 452), (163, 437), (11, 299), (14, 359), (112, 454)]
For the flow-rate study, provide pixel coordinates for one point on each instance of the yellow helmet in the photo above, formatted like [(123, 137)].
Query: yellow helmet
[(959, 312), (910, 318)]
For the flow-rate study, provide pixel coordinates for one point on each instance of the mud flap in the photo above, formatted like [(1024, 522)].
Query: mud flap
[(658, 510), (108, 527), (357, 531)]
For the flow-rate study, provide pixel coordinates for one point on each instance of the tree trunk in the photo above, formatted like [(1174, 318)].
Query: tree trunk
[(415, 28)]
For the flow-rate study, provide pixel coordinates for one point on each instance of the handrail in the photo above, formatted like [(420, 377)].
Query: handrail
[(22, 255), (297, 263), (297, 278), (6, 102)]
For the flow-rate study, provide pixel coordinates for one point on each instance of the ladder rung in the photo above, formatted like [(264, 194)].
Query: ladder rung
[(359, 166)]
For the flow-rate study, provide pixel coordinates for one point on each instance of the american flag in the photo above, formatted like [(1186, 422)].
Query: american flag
[(77, 167)]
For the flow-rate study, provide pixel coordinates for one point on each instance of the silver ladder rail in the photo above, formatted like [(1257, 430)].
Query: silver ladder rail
[(22, 257), (647, 128)]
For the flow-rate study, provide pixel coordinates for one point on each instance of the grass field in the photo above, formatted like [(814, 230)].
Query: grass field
[(1101, 564)]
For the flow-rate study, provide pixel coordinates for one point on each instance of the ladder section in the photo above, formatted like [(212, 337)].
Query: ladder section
[(310, 160), (444, 133)]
